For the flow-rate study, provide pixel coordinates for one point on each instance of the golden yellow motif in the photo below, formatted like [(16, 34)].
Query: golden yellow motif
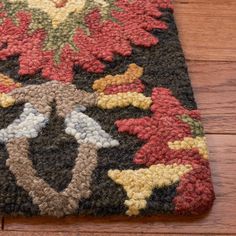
[(133, 72), (123, 100), (6, 101), (189, 143), (140, 183)]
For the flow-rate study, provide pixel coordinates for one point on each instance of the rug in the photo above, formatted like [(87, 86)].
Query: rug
[(97, 114)]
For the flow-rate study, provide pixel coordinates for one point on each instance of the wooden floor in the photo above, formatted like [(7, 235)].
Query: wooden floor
[(208, 34)]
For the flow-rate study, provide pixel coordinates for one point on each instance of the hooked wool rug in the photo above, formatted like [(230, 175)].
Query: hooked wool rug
[(97, 114)]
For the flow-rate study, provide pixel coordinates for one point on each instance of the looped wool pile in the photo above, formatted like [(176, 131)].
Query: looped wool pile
[(97, 114)]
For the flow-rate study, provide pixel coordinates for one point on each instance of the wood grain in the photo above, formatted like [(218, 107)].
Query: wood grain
[(14, 233), (17, 233), (207, 29), (221, 219), (214, 85), (228, 3)]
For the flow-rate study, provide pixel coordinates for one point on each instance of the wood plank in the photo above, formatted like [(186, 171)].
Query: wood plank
[(17, 233), (207, 29), (214, 85), (137, 234), (216, 2), (14, 233), (221, 219)]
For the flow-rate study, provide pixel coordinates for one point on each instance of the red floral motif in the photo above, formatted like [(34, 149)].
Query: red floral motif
[(136, 86), (106, 38), (6, 89), (164, 126), (195, 192)]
